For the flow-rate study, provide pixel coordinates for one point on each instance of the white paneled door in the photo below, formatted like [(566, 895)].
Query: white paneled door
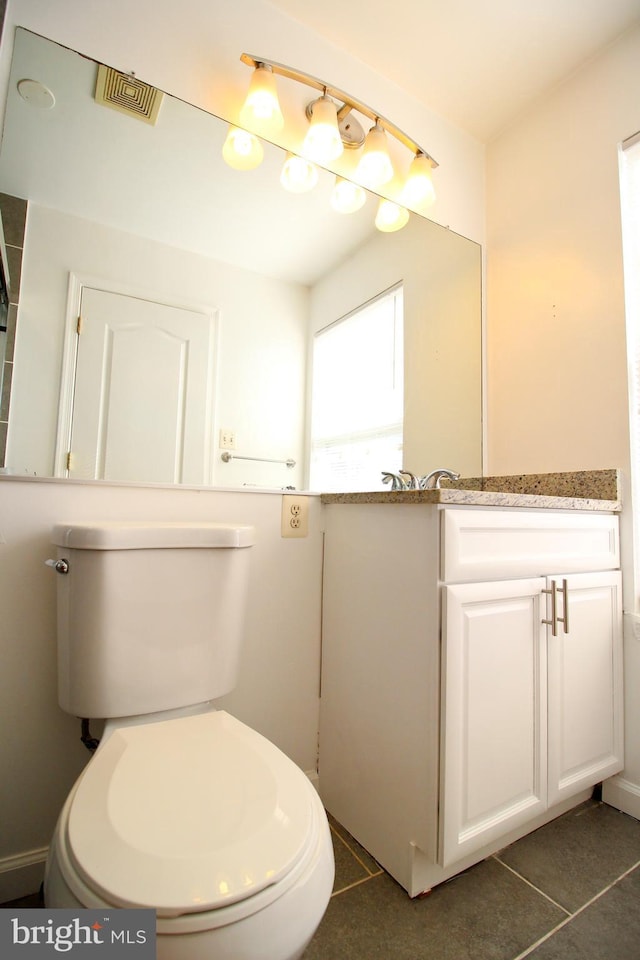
[(143, 393)]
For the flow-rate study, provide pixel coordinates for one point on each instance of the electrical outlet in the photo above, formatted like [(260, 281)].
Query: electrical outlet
[(295, 516), (227, 440)]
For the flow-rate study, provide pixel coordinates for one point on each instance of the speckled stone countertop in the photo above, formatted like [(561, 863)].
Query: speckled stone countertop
[(584, 490)]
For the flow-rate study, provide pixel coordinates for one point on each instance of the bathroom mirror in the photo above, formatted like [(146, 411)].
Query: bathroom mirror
[(123, 211)]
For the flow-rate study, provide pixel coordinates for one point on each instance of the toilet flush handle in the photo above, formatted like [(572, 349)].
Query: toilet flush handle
[(60, 566)]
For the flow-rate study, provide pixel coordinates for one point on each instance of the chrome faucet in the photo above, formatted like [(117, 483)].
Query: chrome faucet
[(396, 481), (413, 483), (433, 479), (430, 482)]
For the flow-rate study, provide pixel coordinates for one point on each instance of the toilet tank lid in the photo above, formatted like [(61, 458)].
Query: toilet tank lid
[(141, 535)]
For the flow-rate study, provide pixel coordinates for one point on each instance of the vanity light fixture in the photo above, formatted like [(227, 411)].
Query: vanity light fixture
[(242, 150), (391, 216), (261, 109), (375, 167), (333, 128), (298, 175), (347, 196), (418, 190), (323, 142)]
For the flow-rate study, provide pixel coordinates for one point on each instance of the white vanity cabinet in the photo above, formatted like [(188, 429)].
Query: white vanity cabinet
[(453, 717), (531, 718)]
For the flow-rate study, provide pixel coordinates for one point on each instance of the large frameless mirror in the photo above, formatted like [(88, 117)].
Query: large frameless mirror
[(168, 303)]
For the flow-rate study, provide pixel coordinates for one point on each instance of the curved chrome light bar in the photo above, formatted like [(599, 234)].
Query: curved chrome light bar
[(350, 129), (332, 127)]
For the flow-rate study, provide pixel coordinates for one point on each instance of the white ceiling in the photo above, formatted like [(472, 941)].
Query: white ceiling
[(478, 63)]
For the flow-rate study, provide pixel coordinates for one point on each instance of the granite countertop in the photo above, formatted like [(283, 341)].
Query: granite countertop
[(583, 490)]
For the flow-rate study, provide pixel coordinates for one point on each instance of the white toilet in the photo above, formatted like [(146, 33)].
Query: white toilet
[(182, 808)]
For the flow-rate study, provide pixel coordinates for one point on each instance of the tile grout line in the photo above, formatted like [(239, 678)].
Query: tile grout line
[(572, 916), (357, 883), (533, 886), (356, 857)]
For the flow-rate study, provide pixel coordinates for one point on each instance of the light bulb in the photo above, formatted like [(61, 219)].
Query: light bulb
[(375, 167), (242, 150), (418, 190), (391, 217), (261, 108), (347, 197), (323, 142), (298, 175)]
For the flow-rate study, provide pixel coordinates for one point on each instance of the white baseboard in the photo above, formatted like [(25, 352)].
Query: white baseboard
[(623, 795), (22, 874)]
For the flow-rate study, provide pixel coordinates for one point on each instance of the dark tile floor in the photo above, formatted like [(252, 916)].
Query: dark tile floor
[(569, 891)]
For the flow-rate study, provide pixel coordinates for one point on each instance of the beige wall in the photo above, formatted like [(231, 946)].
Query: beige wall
[(557, 390), (557, 368)]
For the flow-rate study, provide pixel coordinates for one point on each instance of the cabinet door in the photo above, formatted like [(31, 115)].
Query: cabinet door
[(585, 684), (494, 736)]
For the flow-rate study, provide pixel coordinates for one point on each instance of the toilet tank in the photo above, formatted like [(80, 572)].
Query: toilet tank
[(150, 616)]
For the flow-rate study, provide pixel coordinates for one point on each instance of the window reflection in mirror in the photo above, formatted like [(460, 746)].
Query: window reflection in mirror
[(358, 397)]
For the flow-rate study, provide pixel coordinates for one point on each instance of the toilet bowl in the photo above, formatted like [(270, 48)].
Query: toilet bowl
[(182, 809), (205, 821)]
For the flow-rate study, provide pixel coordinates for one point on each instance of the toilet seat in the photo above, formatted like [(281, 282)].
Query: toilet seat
[(189, 815)]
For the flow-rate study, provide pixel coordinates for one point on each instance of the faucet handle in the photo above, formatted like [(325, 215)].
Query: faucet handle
[(413, 482), (396, 482)]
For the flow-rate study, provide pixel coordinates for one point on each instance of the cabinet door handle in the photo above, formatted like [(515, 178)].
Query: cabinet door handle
[(555, 619), (564, 620), (553, 622)]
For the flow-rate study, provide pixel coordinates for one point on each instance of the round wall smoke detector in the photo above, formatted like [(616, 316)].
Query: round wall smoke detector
[(36, 94)]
